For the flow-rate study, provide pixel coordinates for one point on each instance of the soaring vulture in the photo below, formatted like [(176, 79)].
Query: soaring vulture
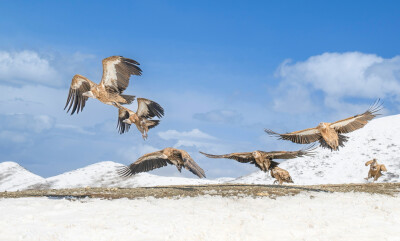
[(146, 109), (116, 73), (375, 169), (281, 175), (330, 135), (169, 155), (262, 159)]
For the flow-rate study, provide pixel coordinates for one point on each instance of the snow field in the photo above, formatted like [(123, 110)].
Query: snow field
[(307, 216)]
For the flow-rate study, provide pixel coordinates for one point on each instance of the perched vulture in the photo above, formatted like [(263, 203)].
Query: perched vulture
[(281, 175), (262, 159), (375, 169), (150, 161), (116, 73), (146, 109), (330, 135)]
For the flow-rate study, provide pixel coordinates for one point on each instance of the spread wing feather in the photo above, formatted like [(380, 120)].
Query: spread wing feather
[(243, 157), (383, 168), (192, 166), (76, 100), (149, 109), (117, 71), (122, 126), (145, 163), (358, 121), (308, 151), (301, 137)]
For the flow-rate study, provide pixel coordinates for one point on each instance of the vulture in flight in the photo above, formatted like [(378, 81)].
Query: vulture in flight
[(262, 159), (330, 135), (169, 155), (146, 109), (116, 73)]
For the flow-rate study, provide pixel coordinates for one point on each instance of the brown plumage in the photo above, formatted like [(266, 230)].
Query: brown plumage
[(116, 73), (146, 109), (262, 159), (375, 169), (281, 175), (330, 135), (169, 155)]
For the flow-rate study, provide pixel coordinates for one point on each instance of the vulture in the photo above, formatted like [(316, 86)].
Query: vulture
[(281, 175), (116, 73), (330, 135), (262, 159), (146, 109), (157, 159), (375, 169)]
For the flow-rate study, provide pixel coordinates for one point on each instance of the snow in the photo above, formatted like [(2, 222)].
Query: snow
[(378, 139), (316, 216), (14, 177), (104, 174)]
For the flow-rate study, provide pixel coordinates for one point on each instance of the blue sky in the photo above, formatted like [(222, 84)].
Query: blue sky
[(222, 70)]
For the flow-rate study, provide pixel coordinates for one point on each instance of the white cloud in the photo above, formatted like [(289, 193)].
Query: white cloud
[(14, 137), (188, 135), (26, 122), (220, 116), (27, 67), (337, 76)]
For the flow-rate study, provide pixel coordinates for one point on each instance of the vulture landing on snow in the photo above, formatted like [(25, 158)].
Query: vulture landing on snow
[(146, 109), (330, 135), (281, 175), (150, 161), (262, 159), (375, 169), (116, 73)]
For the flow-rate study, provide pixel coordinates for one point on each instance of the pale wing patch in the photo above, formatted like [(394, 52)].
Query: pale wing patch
[(305, 136), (149, 109), (358, 121)]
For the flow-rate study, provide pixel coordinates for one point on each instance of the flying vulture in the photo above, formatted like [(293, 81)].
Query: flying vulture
[(169, 155), (375, 169), (262, 159), (116, 73), (330, 135), (146, 109), (281, 175)]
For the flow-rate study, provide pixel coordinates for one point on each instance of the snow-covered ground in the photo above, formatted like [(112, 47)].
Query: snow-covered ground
[(316, 216), (379, 139)]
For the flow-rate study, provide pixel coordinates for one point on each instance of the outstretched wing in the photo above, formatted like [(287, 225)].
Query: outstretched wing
[(145, 163), (358, 121), (308, 151), (122, 126), (149, 109), (301, 137), (243, 157), (192, 166), (117, 71), (383, 168), (368, 162), (76, 100)]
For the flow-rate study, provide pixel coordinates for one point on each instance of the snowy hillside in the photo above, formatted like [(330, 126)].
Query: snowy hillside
[(104, 174), (15, 177), (379, 139)]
